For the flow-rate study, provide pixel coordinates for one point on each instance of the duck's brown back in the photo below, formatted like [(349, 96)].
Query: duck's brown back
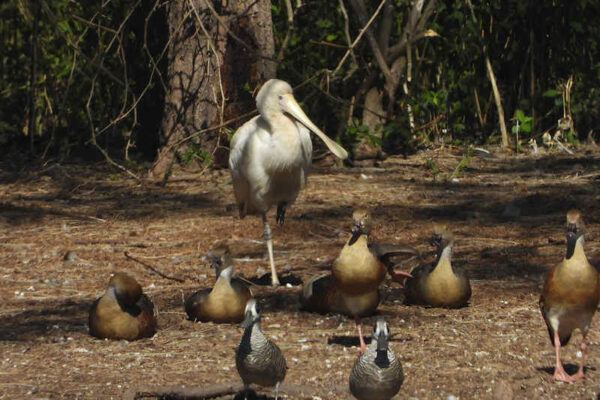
[(323, 297), (108, 320)]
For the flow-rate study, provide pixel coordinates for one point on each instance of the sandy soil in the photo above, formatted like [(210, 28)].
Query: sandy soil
[(65, 229)]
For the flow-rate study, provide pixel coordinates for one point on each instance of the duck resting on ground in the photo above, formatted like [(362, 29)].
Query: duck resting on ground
[(439, 284), (123, 312), (226, 301)]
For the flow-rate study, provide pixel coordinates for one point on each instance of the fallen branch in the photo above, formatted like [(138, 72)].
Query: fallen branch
[(183, 392), (562, 146), (217, 390), (9, 207), (151, 268)]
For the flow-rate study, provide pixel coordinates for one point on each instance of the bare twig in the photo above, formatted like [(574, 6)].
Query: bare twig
[(359, 7), (492, 78), (347, 34), (151, 268), (41, 210), (418, 31), (290, 30), (360, 34)]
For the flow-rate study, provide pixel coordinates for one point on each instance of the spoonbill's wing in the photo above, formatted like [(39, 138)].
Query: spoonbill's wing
[(238, 163), (306, 144)]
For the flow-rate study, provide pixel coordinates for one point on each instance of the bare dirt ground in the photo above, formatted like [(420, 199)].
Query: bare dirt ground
[(65, 229)]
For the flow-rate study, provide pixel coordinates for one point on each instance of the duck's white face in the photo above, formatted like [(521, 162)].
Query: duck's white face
[(251, 314), (226, 273), (381, 333), (575, 231), (276, 96)]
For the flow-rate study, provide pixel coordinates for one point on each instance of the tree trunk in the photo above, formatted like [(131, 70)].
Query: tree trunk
[(216, 48)]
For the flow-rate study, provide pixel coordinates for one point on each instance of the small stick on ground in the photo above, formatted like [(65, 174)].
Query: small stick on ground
[(151, 268)]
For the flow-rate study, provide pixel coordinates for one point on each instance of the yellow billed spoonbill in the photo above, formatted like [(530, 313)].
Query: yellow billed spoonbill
[(271, 155)]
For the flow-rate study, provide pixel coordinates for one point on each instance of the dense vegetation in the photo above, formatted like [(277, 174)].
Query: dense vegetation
[(85, 79)]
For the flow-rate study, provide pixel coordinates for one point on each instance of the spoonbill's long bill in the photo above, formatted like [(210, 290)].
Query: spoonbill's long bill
[(271, 156)]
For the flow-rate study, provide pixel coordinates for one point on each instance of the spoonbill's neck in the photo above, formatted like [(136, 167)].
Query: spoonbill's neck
[(284, 129)]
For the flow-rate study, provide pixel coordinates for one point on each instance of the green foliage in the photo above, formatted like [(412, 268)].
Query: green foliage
[(195, 153), (431, 166), (463, 163), (523, 122), (82, 62), (357, 133)]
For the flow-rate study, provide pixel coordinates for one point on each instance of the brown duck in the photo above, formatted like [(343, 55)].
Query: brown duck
[(123, 312), (570, 296), (438, 284), (226, 301), (360, 269), (320, 295)]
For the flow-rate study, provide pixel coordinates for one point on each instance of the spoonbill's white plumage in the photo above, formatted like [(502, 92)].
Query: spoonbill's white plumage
[(271, 156)]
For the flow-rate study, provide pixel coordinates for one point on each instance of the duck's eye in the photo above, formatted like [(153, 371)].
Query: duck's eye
[(280, 97)]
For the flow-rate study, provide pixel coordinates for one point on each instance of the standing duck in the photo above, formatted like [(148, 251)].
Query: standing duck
[(123, 312), (570, 296), (360, 269), (439, 284), (320, 295), (377, 373), (226, 301), (258, 360)]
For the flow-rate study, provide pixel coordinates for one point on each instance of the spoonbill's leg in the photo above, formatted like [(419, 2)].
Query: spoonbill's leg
[(281, 207), (268, 235)]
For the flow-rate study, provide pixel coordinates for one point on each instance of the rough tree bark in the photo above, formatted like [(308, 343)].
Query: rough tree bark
[(216, 48)]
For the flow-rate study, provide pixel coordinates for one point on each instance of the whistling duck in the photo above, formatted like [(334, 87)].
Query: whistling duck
[(377, 373), (258, 360), (320, 295), (359, 269), (123, 312), (439, 284), (226, 301), (570, 296), (271, 156)]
